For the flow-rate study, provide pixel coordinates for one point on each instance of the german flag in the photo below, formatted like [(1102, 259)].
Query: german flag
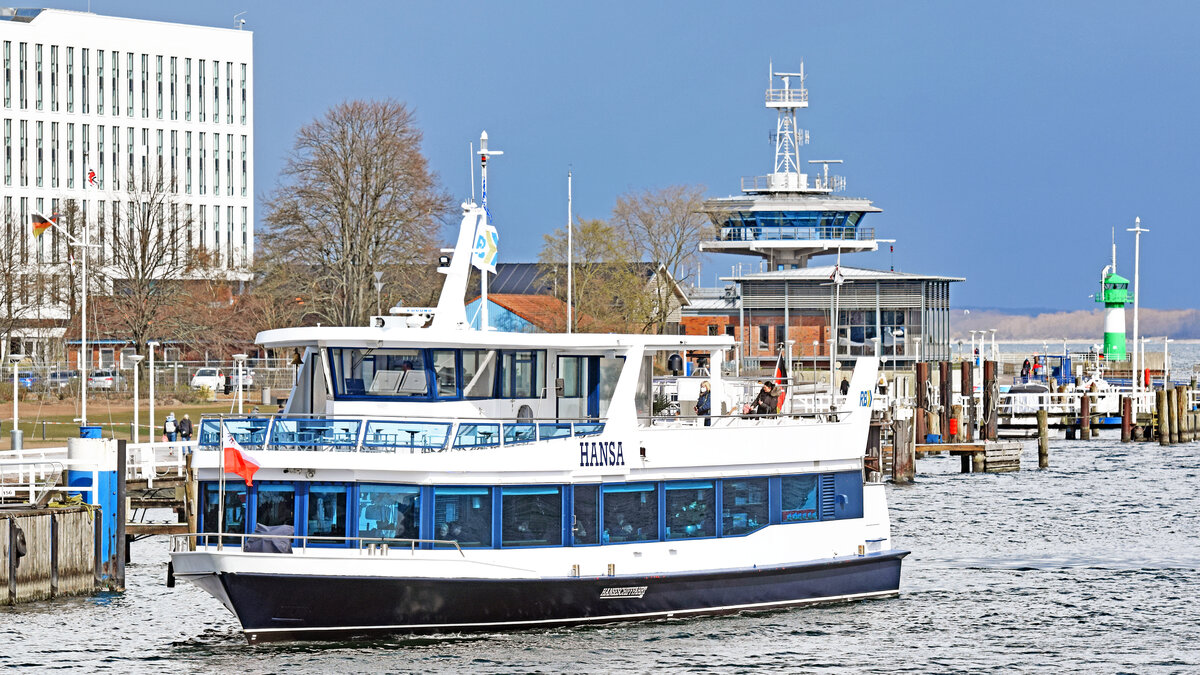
[(42, 223)]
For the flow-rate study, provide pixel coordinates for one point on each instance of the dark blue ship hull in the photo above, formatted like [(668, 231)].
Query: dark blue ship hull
[(289, 607)]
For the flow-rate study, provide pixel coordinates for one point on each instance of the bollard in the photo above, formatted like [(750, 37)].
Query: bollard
[(1085, 417), (1043, 439), (1164, 420), (1126, 419), (1173, 414)]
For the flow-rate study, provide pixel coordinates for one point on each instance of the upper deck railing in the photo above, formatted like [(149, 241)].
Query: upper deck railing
[(797, 96), (748, 233)]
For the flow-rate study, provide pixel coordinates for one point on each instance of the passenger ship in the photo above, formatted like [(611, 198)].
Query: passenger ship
[(425, 476)]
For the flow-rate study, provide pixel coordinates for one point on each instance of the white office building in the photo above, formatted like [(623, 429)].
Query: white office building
[(131, 100)]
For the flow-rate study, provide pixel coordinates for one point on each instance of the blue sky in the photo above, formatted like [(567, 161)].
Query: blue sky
[(1003, 141)]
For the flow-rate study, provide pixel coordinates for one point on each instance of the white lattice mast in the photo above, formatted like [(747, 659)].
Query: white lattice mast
[(788, 135)]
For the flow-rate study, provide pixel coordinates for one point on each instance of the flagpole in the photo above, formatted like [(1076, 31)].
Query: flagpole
[(221, 488), (83, 371)]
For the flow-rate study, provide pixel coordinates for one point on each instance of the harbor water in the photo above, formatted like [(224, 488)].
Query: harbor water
[(1091, 566)]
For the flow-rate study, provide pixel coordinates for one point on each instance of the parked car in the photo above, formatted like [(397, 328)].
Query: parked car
[(212, 378), (247, 381), (27, 379), (106, 379), (61, 379)]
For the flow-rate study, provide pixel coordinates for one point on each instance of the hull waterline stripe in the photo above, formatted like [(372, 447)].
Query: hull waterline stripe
[(590, 619)]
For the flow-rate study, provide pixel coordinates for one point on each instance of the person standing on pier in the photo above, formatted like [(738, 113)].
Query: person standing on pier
[(185, 428), (170, 429)]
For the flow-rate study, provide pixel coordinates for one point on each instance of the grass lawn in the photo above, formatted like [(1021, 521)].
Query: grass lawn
[(114, 417)]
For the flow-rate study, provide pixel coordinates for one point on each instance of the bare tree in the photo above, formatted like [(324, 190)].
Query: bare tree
[(147, 264), (356, 196), (608, 290), (665, 227)]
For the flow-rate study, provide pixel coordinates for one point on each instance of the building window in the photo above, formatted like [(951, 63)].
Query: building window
[(216, 154), (229, 236), (53, 78), (116, 157), (70, 79), (201, 164), (203, 243), (54, 154), (216, 82), (243, 93), (8, 152), (22, 149), (116, 82), (245, 237), (228, 92), (764, 338), (21, 73), (100, 155), (187, 162), (129, 94), (83, 81), (174, 161), (160, 175), (187, 90), (7, 74), (129, 148), (37, 74), (145, 85), (216, 224), (85, 141), (159, 85), (229, 164), (245, 163), (199, 90), (100, 81)]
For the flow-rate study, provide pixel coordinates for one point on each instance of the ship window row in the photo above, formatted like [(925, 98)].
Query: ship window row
[(358, 435), (531, 515), (753, 225), (437, 374), (167, 81)]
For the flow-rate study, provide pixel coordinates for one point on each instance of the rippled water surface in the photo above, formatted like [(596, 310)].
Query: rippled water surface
[(1090, 566)]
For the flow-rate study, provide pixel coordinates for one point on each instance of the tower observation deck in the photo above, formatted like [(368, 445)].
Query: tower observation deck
[(789, 216)]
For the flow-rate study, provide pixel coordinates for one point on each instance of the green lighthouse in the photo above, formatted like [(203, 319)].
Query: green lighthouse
[(1114, 293)]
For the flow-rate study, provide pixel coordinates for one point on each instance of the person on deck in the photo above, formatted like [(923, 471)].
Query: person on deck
[(704, 403), (845, 386), (767, 401)]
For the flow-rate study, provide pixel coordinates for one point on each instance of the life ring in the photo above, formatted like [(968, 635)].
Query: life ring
[(20, 547)]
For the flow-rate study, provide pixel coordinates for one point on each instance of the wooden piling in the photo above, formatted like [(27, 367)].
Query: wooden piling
[(1173, 414), (1126, 419), (990, 395), (1164, 420), (1185, 422), (904, 449), (967, 386), (1043, 439), (1085, 417), (956, 414), (923, 403), (58, 554)]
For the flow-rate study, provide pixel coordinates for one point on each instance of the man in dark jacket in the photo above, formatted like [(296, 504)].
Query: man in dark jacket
[(767, 401), (185, 428)]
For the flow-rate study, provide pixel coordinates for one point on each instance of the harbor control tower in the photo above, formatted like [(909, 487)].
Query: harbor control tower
[(788, 216)]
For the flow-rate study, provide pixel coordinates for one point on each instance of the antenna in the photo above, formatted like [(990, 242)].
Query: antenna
[(237, 20), (1114, 250), (471, 166)]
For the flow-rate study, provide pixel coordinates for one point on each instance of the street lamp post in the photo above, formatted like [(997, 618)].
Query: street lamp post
[(240, 360), (995, 354), (135, 359), (1167, 359), (816, 348), (17, 440), (1137, 229), (152, 344)]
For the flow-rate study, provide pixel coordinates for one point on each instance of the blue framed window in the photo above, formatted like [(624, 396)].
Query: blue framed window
[(548, 430), (585, 519), (445, 372), (799, 498), (381, 373), (477, 435), (531, 516), (248, 432), (463, 514), (630, 512), (326, 513), (691, 508), (275, 504), (743, 506), (389, 511), (388, 435), (235, 517), (520, 432), (479, 367), (304, 433), (522, 373)]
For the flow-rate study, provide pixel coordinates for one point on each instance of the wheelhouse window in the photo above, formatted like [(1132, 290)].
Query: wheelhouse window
[(521, 374), (691, 509), (389, 511), (631, 512), (799, 498), (463, 514), (479, 372), (744, 507), (392, 373), (446, 372), (532, 516)]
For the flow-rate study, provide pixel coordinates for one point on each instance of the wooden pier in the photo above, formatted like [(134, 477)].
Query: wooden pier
[(47, 553)]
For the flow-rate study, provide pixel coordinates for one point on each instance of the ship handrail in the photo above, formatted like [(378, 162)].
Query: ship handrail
[(183, 541)]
